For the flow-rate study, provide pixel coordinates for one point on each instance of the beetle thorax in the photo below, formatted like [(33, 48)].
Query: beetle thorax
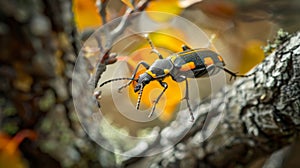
[(160, 68)]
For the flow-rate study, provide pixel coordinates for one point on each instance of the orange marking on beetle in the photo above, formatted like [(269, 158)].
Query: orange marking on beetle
[(188, 66), (166, 71), (220, 58), (208, 61)]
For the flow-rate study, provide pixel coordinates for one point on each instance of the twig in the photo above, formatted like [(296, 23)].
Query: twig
[(108, 57)]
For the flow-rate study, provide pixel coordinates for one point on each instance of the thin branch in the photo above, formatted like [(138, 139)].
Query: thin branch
[(101, 5), (109, 58)]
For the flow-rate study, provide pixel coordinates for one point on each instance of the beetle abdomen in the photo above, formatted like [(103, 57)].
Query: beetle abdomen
[(199, 61)]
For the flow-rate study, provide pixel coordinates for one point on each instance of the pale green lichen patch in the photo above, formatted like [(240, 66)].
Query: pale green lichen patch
[(274, 44)]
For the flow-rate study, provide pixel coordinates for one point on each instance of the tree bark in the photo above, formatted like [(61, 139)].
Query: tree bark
[(38, 52), (259, 115), (38, 49)]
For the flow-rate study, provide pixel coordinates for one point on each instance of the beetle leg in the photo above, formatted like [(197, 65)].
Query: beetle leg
[(154, 50), (186, 97), (211, 69), (139, 98), (234, 75), (134, 73), (185, 47), (165, 85)]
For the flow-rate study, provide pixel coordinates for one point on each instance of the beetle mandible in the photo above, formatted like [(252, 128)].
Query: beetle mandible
[(190, 63)]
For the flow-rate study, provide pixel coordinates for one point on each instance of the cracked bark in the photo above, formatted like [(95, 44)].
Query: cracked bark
[(38, 53), (260, 115)]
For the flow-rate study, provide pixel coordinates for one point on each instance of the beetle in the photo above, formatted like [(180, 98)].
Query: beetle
[(189, 63)]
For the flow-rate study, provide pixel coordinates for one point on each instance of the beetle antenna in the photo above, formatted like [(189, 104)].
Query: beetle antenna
[(139, 98), (153, 49), (116, 79)]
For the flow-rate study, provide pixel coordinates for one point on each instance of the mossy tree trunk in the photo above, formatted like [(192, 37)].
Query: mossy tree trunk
[(38, 53)]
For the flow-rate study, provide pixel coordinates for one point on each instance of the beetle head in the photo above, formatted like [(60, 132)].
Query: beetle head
[(143, 80)]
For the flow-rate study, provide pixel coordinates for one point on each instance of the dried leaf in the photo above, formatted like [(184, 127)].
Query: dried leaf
[(166, 6), (10, 156), (85, 14)]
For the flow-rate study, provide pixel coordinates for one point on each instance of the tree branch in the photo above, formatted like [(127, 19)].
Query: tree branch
[(37, 59), (260, 114), (108, 57)]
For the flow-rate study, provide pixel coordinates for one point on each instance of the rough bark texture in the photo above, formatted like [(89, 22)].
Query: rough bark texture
[(260, 115), (38, 52)]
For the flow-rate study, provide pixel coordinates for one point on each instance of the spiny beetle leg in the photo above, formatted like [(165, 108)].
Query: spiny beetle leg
[(233, 74), (139, 98), (165, 85), (186, 97), (211, 69)]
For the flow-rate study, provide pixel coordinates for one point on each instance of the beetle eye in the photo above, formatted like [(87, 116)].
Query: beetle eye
[(137, 87)]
